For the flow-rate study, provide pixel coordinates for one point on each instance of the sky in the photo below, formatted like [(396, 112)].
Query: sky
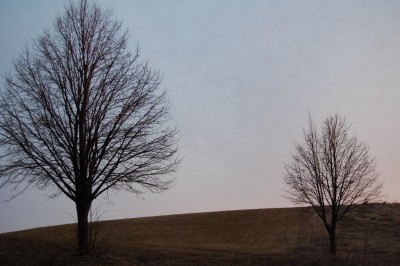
[(242, 78)]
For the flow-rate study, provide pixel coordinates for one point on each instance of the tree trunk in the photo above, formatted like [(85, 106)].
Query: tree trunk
[(82, 209), (332, 241)]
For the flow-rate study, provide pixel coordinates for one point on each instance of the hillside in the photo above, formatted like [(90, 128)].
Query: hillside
[(369, 235)]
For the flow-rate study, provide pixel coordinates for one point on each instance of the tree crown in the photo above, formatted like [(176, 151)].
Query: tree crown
[(80, 112), (331, 168)]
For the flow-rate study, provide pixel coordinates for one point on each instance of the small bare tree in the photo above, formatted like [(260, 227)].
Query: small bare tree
[(82, 115), (333, 172)]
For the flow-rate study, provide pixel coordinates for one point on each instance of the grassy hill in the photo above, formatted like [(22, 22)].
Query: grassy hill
[(369, 235)]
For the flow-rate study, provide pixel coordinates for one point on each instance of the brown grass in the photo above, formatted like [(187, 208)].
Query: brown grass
[(370, 235)]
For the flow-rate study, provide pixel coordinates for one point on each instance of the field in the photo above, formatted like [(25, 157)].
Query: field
[(369, 235)]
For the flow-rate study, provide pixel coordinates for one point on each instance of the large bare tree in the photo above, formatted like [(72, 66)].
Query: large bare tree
[(81, 115), (333, 172)]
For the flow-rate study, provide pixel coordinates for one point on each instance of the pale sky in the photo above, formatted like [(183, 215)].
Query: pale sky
[(242, 78)]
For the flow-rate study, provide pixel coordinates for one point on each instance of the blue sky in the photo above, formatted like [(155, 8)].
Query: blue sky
[(242, 77)]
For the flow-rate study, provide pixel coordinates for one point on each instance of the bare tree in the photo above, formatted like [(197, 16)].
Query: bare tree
[(81, 115), (333, 172)]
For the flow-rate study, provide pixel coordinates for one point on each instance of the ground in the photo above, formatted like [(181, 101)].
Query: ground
[(369, 235)]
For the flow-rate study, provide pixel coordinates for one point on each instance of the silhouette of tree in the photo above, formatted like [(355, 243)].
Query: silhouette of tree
[(333, 172), (81, 115)]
